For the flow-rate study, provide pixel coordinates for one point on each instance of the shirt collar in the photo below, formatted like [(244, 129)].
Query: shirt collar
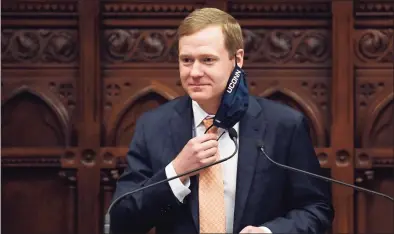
[(199, 114)]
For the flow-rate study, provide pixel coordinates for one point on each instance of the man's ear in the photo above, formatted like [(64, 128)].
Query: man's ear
[(240, 57)]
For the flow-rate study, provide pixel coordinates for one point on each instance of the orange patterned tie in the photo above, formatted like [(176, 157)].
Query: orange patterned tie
[(211, 195)]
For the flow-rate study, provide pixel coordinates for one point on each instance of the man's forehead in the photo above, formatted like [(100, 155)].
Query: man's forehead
[(210, 29), (207, 40)]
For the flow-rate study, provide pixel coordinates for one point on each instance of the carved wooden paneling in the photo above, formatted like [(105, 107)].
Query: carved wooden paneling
[(278, 9), (34, 196), (368, 158), (53, 47), (51, 8), (140, 45), (124, 93), (125, 127), (40, 57), (374, 63), (77, 74), (145, 9), (375, 214), (300, 48), (374, 99), (374, 8), (282, 48), (379, 132), (374, 48), (307, 91), (27, 120)]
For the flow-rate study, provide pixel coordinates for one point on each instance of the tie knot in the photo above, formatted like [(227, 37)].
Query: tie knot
[(208, 123)]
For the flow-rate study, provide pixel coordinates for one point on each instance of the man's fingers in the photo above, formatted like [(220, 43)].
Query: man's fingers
[(252, 229), (211, 152), (246, 229), (208, 145), (206, 137), (208, 160)]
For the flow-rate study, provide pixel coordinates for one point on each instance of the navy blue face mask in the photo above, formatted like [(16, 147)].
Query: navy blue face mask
[(235, 100)]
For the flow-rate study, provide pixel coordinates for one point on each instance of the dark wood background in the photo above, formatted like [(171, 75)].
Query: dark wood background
[(77, 74)]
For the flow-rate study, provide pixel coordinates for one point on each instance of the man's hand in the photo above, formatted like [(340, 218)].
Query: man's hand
[(198, 152), (252, 229)]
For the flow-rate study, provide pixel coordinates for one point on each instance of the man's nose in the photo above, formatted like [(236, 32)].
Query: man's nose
[(196, 70)]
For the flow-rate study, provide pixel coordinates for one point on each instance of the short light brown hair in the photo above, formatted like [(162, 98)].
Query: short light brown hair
[(204, 17)]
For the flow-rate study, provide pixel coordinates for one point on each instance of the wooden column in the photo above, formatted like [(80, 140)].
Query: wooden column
[(342, 132), (89, 117)]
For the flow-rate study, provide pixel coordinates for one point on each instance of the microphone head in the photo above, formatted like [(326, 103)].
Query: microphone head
[(259, 143), (233, 134)]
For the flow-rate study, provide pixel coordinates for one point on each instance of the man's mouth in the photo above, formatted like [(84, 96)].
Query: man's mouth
[(197, 85)]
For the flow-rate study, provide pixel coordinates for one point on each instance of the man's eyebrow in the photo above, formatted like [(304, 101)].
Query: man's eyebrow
[(184, 55), (208, 55), (199, 56)]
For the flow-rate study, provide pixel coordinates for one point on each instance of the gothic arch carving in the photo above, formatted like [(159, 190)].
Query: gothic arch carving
[(53, 103), (309, 109), (117, 116), (373, 114)]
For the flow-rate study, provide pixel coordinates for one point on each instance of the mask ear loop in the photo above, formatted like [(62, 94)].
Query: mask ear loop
[(210, 128)]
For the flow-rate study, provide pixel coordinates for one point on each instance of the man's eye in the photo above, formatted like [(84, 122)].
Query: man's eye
[(208, 60), (186, 60)]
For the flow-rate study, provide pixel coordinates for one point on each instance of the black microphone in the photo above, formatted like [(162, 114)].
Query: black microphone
[(260, 145), (107, 222)]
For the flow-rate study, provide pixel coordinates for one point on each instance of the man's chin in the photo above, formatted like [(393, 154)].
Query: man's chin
[(199, 97)]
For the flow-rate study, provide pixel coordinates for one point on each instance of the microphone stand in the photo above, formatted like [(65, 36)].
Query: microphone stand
[(107, 222), (261, 147)]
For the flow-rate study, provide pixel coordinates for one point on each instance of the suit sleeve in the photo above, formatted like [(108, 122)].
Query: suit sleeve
[(140, 211), (309, 207)]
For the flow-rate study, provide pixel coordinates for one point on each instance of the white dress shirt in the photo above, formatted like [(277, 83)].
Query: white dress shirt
[(229, 167)]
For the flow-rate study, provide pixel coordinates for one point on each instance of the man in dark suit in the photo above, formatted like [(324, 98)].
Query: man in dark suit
[(244, 194)]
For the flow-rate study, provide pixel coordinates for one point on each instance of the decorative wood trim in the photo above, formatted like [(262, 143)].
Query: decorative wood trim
[(38, 23), (39, 9), (374, 48), (136, 9), (321, 9), (264, 47), (30, 161), (17, 74), (376, 23), (39, 48), (373, 8), (40, 157), (368, 158), (111, 155), (115, 157), (324, 155)]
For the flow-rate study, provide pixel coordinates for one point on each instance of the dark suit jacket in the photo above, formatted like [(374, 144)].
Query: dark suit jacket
[(283, 201)]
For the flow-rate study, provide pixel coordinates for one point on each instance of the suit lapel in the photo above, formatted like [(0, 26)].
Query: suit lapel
[(181, 124), (251, 128), (181, 132)]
